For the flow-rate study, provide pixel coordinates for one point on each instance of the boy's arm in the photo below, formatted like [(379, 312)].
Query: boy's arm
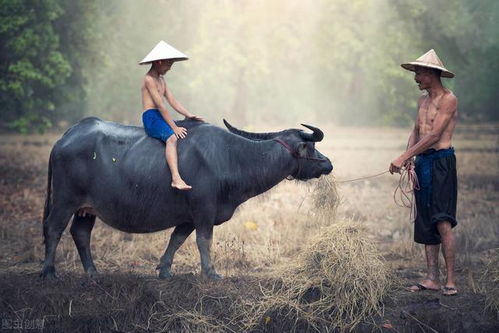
[(158, 101), (177, 106)]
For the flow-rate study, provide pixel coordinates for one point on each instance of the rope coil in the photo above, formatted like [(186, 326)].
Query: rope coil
[(408, 182)]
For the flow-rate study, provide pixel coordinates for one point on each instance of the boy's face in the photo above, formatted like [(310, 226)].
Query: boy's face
[(164, 66)]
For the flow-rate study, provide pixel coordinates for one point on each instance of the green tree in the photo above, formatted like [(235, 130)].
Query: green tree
[(464, 33), (41, 77)]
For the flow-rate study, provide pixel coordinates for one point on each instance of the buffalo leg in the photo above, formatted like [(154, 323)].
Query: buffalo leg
[(177, 238), (81, 229), (53, 228), (204, 235)]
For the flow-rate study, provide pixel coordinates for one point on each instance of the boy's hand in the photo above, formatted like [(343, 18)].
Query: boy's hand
[(180, 132), (194, 117)]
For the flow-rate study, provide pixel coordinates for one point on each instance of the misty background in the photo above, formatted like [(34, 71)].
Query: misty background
[(256, 63)]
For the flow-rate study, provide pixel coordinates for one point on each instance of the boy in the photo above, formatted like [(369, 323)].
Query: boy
[(157, 121)]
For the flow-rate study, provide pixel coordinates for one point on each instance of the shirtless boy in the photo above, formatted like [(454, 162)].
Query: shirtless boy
[(431, 142), (156, 119)]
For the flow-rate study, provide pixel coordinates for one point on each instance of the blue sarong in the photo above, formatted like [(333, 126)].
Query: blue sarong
[(436, 198), (424, 167)]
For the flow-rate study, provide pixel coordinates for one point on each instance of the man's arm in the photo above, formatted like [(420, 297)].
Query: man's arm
[(158, 101), (444, 116), (414, 136), (413, 139)]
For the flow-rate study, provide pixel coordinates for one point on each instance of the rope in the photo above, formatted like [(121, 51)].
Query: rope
[(365, 177), (408, 182)]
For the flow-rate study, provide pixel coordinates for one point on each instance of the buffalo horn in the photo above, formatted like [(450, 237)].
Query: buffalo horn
[(314, 137), (248, 135)]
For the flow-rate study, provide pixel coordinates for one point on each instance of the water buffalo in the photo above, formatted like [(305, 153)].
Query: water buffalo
[(119, 174)]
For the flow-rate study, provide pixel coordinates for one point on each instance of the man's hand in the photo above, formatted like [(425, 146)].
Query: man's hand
[(194, 117), (409, 164), (180, 132), (396, 165)]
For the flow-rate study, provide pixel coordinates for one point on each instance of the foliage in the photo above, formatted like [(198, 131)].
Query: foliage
[(465, 33), (261, 62), (42, 47), (255, 62)]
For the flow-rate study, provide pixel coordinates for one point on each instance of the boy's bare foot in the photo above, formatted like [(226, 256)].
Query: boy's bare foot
[(425, 285), (181, 185)]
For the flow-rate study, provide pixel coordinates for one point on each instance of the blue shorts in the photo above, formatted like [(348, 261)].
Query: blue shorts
[(155, 125)]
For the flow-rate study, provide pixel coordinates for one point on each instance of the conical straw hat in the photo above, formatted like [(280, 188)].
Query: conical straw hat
[(163, 51), (431, 60)]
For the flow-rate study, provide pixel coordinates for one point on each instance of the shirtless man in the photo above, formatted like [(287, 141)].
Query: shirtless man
[(431, 142), (156, 119)]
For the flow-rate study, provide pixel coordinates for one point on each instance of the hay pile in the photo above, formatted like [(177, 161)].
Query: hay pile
[(336, 283)]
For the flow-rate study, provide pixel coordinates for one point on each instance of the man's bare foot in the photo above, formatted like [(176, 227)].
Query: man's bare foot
[(181, 185), (449, 289), (425, 285)]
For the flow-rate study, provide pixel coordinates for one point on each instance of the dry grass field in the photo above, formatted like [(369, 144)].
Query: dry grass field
[(325, 255)]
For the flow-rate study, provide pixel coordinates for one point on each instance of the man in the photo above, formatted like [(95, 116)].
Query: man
[(430, 142), (157, 121)]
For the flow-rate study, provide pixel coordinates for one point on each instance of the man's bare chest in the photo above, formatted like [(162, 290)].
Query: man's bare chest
[(428, 111)]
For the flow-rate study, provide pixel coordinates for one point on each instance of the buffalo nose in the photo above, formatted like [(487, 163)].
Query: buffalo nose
[(329, 168)]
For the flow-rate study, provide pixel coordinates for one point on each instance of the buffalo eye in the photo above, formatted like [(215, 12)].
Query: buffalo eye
[(302, 149)]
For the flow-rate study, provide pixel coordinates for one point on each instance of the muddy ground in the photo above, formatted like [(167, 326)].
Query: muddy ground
[(265, 232)]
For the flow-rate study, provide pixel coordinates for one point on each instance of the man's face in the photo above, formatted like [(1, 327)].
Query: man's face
[(424, 77), (164, 66)]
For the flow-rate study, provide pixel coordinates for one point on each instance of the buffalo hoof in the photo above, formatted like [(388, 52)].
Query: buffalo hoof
[(212, 275), (92, 272), (48, 273), (165, 274)]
